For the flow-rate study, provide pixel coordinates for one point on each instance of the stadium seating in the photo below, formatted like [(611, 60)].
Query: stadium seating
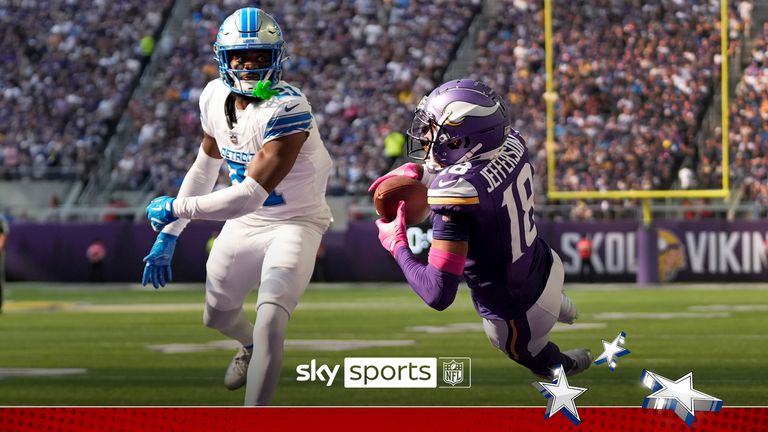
[(62, 89), (344, 58), (633, 85), (748, 132)]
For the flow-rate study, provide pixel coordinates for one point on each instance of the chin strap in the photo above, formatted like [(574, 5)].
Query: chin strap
[(263, 90)]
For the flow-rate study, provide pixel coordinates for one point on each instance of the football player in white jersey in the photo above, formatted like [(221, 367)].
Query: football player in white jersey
[(275, 209)]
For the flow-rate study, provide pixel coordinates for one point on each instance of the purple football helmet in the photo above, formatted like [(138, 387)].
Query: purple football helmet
[(459, 121)]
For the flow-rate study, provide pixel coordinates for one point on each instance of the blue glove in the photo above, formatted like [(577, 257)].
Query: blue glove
[(160, 212), (158, 267)]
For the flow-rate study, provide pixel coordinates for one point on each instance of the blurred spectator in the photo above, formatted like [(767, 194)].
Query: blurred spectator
[(95, 254), (147, 46), (394, 146), (581, 212), (4, 231), (584, 246), (115, 203), (209, 243)]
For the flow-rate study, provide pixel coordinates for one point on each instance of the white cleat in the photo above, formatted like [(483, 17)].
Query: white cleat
[(568, 312), (582, 359), (237, 372)]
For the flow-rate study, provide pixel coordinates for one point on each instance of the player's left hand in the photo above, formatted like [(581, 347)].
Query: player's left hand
[(410, 170), (393, 235), (160, 212)]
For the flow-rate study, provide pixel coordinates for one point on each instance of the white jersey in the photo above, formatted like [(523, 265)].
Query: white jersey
[(301, 194)]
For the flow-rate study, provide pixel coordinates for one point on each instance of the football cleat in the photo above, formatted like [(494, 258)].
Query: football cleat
[(237, 372), (568, 312), (581, 357)]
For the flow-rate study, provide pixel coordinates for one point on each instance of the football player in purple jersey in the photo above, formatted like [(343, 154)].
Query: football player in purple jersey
[(480, 184)]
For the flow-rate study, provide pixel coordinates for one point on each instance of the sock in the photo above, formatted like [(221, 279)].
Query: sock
[(267, 361)]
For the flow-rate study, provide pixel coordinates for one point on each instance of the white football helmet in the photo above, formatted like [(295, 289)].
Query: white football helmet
[(249, 29)]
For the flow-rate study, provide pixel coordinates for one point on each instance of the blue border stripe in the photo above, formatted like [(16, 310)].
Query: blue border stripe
[(244, 20), (300, 125), (253, 23), (282, 130), (287, 130), (286, 120)]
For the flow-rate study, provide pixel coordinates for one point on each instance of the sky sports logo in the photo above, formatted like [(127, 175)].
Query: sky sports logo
[(392, 372)]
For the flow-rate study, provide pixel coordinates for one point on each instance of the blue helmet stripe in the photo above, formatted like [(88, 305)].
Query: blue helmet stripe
[(244, 20), (252, 21)]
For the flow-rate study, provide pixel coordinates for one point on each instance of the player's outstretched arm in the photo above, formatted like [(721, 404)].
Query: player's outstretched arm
[(437, 282), (199, 180), (267, 169)]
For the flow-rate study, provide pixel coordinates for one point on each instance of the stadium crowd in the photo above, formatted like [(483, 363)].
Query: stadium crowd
[(633, 81), (73, 79), (363, 65), (748, 129)]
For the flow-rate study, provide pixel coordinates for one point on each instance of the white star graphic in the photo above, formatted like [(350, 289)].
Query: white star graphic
[(679, 396), (612, 351), (560, 396)]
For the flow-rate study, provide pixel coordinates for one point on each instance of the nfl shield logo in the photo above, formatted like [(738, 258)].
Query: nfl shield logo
[(453, 372)]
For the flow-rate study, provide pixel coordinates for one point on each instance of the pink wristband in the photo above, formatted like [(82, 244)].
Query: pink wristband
[(446, 261)]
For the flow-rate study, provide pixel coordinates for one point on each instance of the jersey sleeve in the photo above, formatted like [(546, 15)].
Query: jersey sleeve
[(452, 193), (291, 115), (454, 201), (205, 99)]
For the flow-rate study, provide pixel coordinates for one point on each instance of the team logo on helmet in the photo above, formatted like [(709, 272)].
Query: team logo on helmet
[(455, 112)]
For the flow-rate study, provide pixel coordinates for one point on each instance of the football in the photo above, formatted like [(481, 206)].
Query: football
[(401, 188)]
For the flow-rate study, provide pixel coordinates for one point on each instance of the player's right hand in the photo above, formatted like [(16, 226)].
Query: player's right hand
[(160, 212), (410, 170), (393, 235), (157, 269)]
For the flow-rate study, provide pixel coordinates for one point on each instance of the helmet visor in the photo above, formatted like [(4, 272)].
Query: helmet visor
[(421, 135)]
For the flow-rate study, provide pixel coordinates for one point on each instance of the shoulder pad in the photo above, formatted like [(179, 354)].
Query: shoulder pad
[(291, 113), (452, 190)]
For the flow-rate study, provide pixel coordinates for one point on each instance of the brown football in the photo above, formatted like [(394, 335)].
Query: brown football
[(401, 188)]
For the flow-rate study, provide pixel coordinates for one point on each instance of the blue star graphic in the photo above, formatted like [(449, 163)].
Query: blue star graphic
[(612, 351), (560, 396), (679, 396)]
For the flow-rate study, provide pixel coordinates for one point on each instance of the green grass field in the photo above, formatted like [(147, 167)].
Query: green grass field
[(715, 331)]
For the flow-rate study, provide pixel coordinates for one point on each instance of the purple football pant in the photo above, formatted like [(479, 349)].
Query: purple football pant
[(525, 338)]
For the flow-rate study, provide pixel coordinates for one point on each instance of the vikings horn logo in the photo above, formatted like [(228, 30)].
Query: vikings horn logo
[(671, 255), (455, 112)]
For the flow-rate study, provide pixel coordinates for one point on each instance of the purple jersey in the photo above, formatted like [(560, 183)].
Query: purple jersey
[(489, 203)]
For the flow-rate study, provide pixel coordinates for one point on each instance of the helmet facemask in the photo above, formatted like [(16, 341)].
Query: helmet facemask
[(460, 121), (236, 78), (245, 31), (431, 141)]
